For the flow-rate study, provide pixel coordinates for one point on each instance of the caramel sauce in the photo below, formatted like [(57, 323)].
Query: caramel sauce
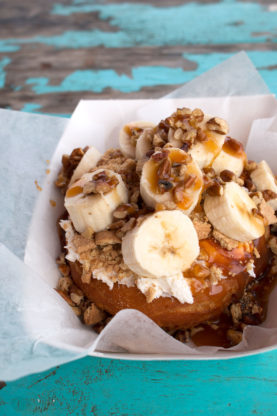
[(211, 146), (131, 130), (216, 333), (234, 148), (230, 261), (75, 190), (176, 156)]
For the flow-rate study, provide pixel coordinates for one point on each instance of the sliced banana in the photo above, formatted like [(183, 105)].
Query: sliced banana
[(264, 179), (232, 157), (89, 208), (144, 143), (204, 152), (232, 213), (212, 130), (88, 161), (164, 244), (129, 135), (171, 176)]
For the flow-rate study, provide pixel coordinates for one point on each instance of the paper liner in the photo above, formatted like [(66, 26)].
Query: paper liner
[(35, 318)]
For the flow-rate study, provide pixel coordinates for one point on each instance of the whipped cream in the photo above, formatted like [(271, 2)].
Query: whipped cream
[(176, 286)]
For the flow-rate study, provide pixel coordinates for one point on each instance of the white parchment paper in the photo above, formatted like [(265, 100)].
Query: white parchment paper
[(34, 318)]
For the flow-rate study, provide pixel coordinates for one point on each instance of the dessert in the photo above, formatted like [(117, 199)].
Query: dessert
[(177, 224)]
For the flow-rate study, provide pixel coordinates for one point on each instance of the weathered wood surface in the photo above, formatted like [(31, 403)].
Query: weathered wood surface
[(52, 54)]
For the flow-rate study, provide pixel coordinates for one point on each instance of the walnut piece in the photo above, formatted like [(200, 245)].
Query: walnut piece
[(102, 238), (93, 315), (218, 125), (267, 212)]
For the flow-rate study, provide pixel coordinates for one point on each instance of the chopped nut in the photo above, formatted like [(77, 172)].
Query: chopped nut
[(215, 274), (218, 125), (190, 136), (128, 225), (158, 141), (76, 298), (102, 238), (178, 134), (116, 225), (64, 284), (224, 241), (267, 212), (123, 210), (256, 309), (273, 244), (249, 185), (268, 195), (201, 135), (197, 116), (82, 244), (210, 172), (236, 313), (150, 294), (93, 315), (227, 176), (203, 229), (250, 165), (101, 183), (164, 169), (158, 156), (215, 189), (234, 336)]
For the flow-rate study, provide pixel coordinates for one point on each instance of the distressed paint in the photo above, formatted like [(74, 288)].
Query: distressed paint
[(31, 107), (150, 76), (125, 388), (147, 25), (3, 63), (96, 81)]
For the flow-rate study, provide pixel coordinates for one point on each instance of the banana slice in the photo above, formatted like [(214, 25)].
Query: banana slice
[(264, 179), (91, 200), (171, 176), (231, 157), (232, 213), (88, 161), (207, 134), (215, 130), (164, 244), (129, 135), (144, 143)]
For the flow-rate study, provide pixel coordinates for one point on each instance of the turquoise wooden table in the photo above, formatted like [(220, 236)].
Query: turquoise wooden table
[(54, 53)]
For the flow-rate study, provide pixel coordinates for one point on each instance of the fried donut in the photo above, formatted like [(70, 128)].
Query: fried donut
[(209, 301)]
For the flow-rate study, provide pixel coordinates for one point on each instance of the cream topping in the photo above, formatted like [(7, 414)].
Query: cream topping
[(173, 286)]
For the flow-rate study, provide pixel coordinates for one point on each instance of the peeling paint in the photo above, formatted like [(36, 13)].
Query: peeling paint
[(3, 63)]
